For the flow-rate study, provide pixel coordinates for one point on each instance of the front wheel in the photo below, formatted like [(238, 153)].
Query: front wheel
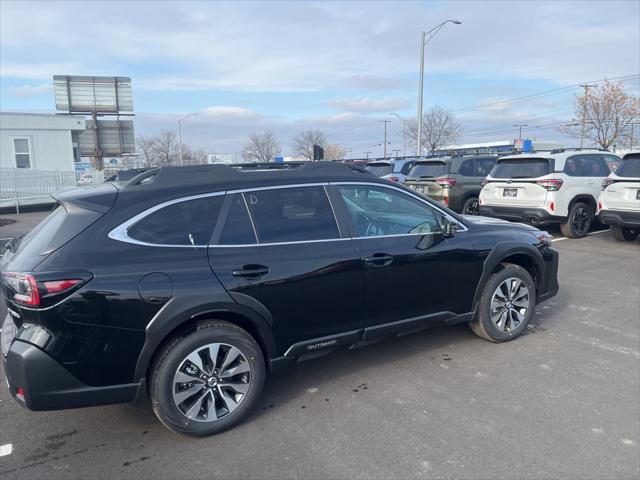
[(625, 233), (578, 222), (207, 380), (506, 304), (471, 207)]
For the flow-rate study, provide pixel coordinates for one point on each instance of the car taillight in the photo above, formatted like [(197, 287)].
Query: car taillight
[(20, 394), (445, 200), (59, 286), (446, 182), (24, 287), (606, 182), (394, 179), (552, 185)]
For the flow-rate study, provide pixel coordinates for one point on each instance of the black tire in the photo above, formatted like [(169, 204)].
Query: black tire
[(578, 222), (625, 233), (174, 353), (483, 324), (471, 206)]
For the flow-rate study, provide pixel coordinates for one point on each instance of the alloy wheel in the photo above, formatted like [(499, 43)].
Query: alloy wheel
[(473, 208), (581, 220), (509, 304), (211, 382)]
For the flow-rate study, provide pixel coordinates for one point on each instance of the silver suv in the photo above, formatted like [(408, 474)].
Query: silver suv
[(560, 186)]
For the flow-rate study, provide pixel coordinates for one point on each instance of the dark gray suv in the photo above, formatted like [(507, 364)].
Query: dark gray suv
[(455, 181)]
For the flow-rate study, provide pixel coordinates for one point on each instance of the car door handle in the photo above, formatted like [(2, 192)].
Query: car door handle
[(250, 271), (378, 260)]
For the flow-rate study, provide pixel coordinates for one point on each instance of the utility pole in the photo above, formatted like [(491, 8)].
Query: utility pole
[(395, 151), (520, 126), (385, 135), (367, 154), (586, 87)]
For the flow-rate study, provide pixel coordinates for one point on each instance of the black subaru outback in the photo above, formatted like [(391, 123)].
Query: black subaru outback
[(190, 284)]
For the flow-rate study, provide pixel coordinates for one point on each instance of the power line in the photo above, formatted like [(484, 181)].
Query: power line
[(538, 94)]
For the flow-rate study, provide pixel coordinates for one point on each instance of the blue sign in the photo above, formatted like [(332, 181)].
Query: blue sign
[(279, 159), (527, 146)]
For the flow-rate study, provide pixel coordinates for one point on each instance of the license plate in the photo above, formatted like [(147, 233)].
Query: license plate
[(421, 189), (510, 192)]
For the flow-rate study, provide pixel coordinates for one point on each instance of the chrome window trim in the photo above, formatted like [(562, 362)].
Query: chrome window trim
[(253, 225), (120, 233)]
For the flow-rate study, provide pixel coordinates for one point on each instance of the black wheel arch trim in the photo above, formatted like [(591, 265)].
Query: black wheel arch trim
[(180, 311), (498, 254)]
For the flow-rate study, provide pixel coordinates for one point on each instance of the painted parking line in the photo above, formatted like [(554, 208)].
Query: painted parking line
[(588, 234), (6, 450)]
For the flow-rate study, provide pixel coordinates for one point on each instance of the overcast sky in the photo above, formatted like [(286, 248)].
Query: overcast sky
[(336, 66)]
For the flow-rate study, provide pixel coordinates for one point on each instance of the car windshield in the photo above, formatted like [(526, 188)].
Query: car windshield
[(428, 170), (629, 167), (521, 168), (380, 169)]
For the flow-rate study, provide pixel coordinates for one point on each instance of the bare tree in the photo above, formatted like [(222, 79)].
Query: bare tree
[(304, 141), (439, 128), (334, 152), (167, 148), (607, 112), (261, 147), (147, 150)]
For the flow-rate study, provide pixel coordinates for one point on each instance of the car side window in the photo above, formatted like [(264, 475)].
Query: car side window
[(379, 211), (467, 168), (573, 166), (189, 222), (406, 168), (238, 229), (294, 214), (612, 162), (592, 166), (484, 166)]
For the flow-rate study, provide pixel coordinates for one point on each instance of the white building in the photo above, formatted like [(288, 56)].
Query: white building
[(39, 142)]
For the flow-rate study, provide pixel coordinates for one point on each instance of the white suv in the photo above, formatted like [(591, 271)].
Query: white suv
[(560, 186), (619, 202)]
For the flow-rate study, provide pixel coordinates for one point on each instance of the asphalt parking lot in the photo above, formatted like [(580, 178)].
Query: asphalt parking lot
[(562, 401)]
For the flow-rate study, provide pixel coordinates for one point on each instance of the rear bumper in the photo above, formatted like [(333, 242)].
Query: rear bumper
[(47, 385), (531, 215), (619, 218)]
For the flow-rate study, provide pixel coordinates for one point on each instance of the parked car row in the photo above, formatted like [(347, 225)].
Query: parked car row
[(566, 187)]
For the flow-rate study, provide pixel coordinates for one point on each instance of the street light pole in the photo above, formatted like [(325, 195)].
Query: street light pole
[(404, 133), (180, 134), (424, 39), (367, 154), (520, 126)]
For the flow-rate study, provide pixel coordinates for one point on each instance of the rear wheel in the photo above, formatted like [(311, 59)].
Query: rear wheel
[(208, 380), (471, 206), (625, 233), (506, 304), (578, 222)]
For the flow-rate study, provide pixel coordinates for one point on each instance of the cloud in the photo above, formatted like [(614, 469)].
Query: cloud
[(370, 105), (225, 113), (27, 89)]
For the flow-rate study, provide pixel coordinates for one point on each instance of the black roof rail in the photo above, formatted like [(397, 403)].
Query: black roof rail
[(578, 149)]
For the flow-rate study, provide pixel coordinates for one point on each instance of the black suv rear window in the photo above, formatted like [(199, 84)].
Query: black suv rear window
[(629, 167), (189, 222), (380, 169), (529, 168), (429, 170)]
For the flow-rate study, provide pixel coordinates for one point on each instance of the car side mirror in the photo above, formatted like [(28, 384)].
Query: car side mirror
[(449, 228)]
